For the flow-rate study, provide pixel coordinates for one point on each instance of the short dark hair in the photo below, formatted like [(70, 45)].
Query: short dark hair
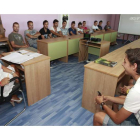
[(29, 22), (55, 21), (73, 22), (95, 21), (100, 21), (64, 21), (108, 21), (45, 21), (133, 56), (79, 23), (84, 21), (15, 23)]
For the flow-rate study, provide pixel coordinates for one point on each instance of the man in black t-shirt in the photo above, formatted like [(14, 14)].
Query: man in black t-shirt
[(45, 32), (100, 24)]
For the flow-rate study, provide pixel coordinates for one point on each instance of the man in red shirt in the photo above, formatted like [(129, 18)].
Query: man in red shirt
[(84, 27)]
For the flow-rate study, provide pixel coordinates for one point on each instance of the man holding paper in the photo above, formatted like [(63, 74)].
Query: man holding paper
[(16, 39)]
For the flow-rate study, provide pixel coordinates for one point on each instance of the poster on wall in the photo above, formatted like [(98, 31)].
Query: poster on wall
[(64, 17)]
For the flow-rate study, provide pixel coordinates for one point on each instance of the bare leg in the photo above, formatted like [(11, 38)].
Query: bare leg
[(98, 118)]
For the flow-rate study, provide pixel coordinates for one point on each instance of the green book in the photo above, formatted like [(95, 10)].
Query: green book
[(105, 62)]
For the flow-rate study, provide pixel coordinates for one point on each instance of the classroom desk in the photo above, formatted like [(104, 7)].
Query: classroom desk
[(97, 48), (37, 78), (105, 79), (56, 48), (61, 47)]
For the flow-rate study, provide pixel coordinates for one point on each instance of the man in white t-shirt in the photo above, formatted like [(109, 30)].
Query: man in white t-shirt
[(55, 30), (80, 30), (95, 27), (129, 114)]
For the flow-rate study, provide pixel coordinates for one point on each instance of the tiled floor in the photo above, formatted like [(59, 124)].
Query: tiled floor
[(63, 106)]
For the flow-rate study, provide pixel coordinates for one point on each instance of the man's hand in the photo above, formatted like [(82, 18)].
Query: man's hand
[(106, 98), (99, 99), (5, 81), (124, 89), (25, 46), (15, 74)]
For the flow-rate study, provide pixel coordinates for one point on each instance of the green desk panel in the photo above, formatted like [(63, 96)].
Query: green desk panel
[(107, 37), (99, 36), (113, 36), (57, 50), (95, 51), (73, 46)]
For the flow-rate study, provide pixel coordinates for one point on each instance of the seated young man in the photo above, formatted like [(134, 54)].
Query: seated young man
[(84, 27), (72, 30), (55, 30), (80, 30), (16, 39), (45, 32), (100, 26), (6, 73), (31, 35), (95, 27), (131, 104), (64, 30), (107, 26)]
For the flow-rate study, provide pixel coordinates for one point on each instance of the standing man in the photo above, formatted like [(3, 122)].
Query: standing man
[(55, 30), (45, 32), (72, 30), (64, 30), (107, 27), (129, 114), (31, 35), (16, 39), (95, 27)]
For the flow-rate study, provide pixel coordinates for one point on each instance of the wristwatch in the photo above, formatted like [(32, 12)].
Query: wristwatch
[(103, 103)]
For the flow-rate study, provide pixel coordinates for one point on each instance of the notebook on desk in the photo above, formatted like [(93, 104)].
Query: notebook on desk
[(105, 62)]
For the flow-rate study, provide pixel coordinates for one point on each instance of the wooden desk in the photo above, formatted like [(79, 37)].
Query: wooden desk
[(73, 44), (104, 79), (56, 48), (61, 47), (37, 78), (97, 48)]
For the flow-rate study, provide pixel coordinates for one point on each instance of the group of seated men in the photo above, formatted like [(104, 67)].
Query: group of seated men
[(32, 35)]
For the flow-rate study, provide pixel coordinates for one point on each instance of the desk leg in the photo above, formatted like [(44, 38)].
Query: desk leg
[(37, 77), (104, 49), (83, 52), (96, 81), (64, 59)]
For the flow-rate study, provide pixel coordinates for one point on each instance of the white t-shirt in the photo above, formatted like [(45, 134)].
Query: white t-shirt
[(132, 101), (78, 29), (58, 29), (8, 87), (95, 27)]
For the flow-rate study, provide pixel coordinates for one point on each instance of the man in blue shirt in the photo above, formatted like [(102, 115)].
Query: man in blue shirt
[(72, 30)]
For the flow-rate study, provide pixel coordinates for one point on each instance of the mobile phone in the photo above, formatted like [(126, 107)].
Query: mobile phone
[(99, 93)]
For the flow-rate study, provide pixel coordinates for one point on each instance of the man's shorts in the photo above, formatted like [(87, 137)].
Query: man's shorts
[(130, 121)]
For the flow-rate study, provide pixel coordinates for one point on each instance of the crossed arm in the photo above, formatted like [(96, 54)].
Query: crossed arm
[(57, 34), (17, 46), (33, 36)]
